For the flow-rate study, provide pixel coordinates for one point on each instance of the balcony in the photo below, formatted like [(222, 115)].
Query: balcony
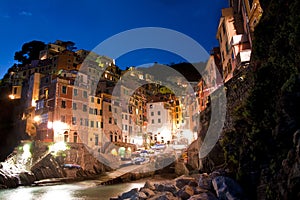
[(238, 39), (243, 57)]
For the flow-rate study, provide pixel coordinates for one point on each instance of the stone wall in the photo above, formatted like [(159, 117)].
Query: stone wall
[(237, 90)]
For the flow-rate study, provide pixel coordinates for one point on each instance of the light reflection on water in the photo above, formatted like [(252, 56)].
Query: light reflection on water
[(76, 191)]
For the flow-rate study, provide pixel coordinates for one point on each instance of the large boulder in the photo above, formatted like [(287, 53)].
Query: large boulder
[(205, 181), (148, 192), (227, 189), (181, 169), (26, 178), (186, 192), (185, 180), (203, 196), (166, 188), (130, 194)]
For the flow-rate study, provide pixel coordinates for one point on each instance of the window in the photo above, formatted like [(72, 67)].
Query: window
[(86, 121), (75, 137), (98, 101), (63, 104), (66, 136), (91, 111), (95, 111), (101, 124), (109, 108), (63, 118), (151, 106), (110, 120), (96, 139), (85, 94), (224, 29), (130, 129), (152, 121), (152, 113), (176, 109), (115, 121), (159, 121), (115, 110), (81, 122), (92, 99), (84, 108), (75, 92), (74, 106), (74, 120), (125, 127), (98, 124), (100, 112), (64, 89), (92, 123), (158, 112)]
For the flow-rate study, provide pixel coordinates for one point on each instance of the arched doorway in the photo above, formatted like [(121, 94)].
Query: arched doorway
[(66, 136)]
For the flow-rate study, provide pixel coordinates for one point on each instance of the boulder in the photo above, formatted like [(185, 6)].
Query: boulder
[(129, 194), (226, 188), (149, 185), (205, 181), (148, 192), (184, 180), (203, 196), (164, 196), (141, 195), (166, 188), (181, 169), (26, 178), (199, 190), (186, 192)]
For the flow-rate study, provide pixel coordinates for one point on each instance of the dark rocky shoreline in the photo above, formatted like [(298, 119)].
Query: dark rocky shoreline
[(213, 186)]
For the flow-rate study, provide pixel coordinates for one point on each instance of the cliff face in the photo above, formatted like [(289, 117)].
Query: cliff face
[(260, 140)]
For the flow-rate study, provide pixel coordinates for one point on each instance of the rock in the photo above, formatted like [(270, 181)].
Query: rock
[(199, 190), (184, 180), (26, 178), (148, 192), (149, 185), (129, 194), (141, 195), (226, 188), (186, 192), (181, 169), (205, 181), (166, 188), (203, 196), (164, 196)]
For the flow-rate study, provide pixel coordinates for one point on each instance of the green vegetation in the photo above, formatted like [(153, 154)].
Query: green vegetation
[(265, 123)]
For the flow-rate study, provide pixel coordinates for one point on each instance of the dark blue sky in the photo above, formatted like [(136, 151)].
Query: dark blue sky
[(89, 22)]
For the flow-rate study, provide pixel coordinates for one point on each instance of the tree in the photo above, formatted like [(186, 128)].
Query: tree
[(30, 51)]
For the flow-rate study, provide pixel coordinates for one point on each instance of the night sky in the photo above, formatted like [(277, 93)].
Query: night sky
[(89, 22)]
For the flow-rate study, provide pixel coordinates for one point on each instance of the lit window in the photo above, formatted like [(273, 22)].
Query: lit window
[(74, 120)]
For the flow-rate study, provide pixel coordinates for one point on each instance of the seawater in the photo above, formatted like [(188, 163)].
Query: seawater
[(76, 191)]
